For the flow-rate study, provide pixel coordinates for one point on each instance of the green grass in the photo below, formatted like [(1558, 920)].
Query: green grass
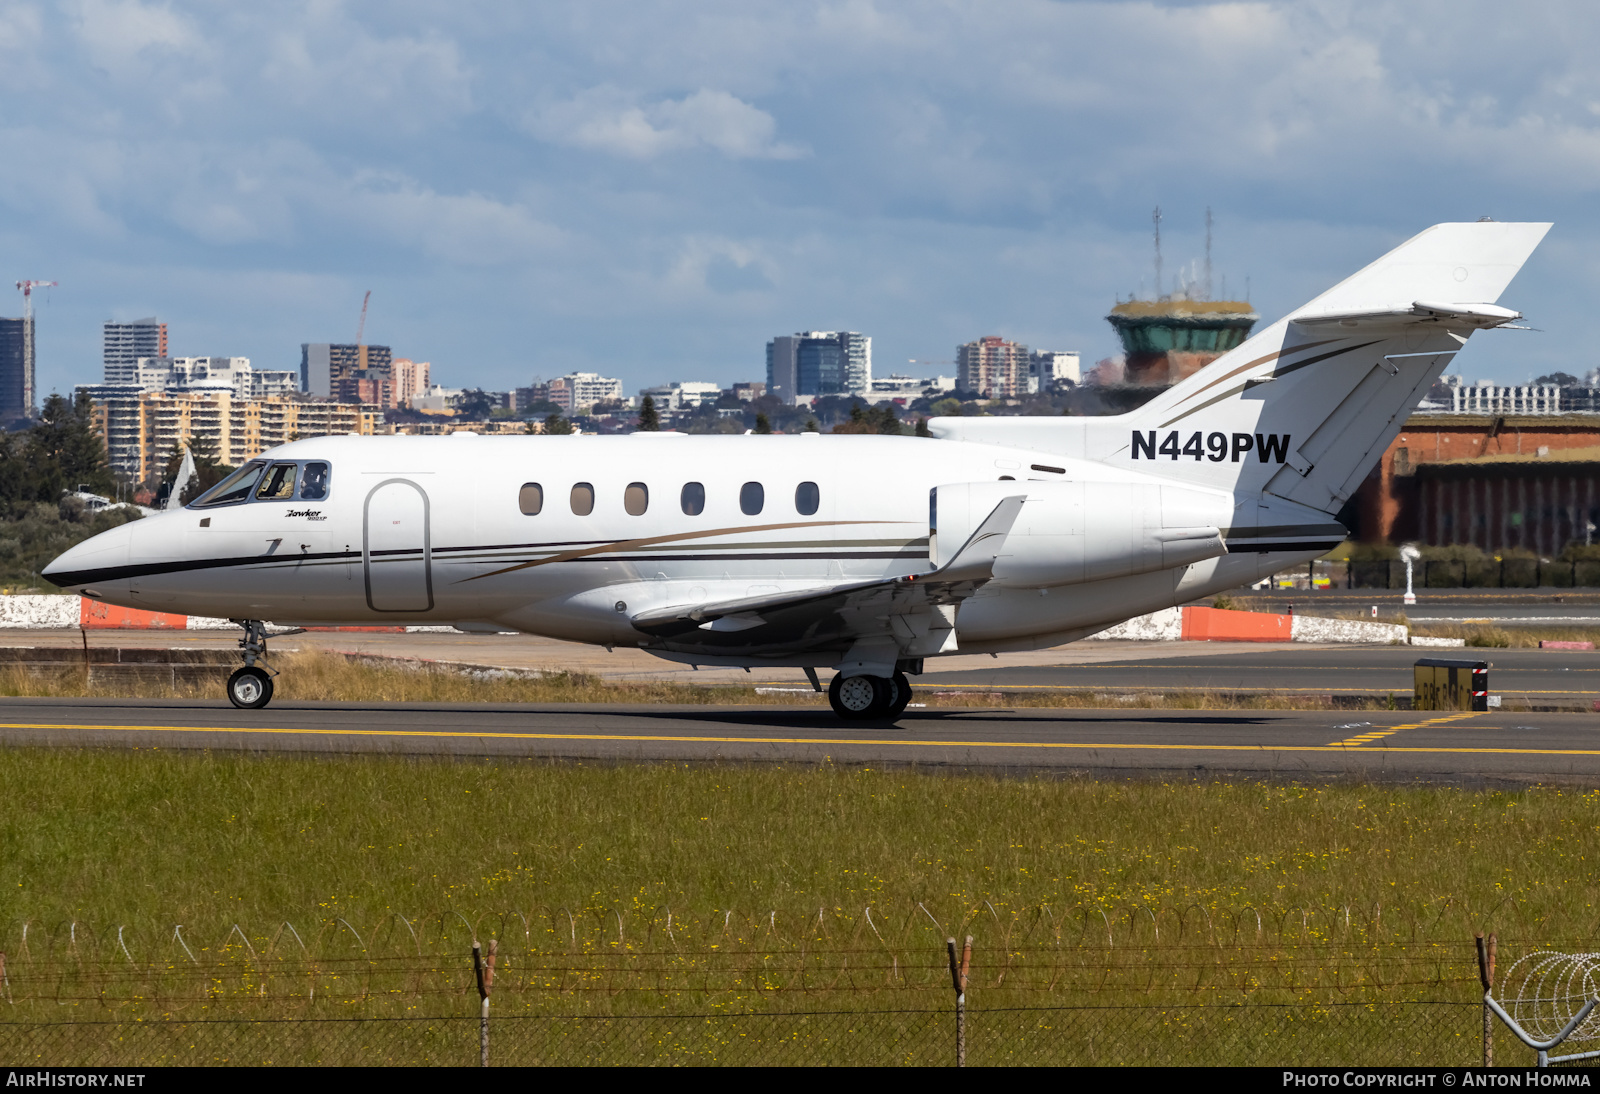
[(809, 888)]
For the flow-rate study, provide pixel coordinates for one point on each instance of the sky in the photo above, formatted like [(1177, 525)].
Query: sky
[(653, 190)]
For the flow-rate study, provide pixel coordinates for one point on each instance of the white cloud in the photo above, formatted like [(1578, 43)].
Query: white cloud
[(468, 229), (20, 27), (118, 33), (607, 120), (342, 69)]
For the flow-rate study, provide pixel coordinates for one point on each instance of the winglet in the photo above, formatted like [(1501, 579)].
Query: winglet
[(975, 560)]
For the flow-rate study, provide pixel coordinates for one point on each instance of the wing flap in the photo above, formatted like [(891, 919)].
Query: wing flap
[(825, 615)]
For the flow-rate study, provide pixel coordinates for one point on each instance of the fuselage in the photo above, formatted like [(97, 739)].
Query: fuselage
[(570, 537)]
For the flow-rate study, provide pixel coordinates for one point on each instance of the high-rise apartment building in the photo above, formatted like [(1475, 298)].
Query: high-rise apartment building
[(16, 371), (122, 344), (143, 429), (410, 380), (815, 363), (333, 370), (173, 374), (993, 368), (577, 392), (1049, 369)]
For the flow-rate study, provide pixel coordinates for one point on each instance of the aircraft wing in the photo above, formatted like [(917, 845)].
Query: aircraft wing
[(917, 611)]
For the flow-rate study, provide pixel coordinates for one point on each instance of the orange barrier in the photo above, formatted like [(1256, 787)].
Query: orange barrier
[(1221, 625), (95, 614)]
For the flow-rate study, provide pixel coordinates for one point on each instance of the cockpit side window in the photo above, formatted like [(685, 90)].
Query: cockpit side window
[(235, 488), (278, 483), (314, 482)]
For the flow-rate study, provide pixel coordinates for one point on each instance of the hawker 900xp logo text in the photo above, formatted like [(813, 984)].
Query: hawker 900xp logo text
[(1216, 447)]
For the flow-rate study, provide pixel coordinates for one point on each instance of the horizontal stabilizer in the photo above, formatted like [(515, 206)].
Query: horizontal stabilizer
[(1469, 316)]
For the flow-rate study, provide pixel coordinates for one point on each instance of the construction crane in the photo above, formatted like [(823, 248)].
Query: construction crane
[(27, 288), (361, 349)]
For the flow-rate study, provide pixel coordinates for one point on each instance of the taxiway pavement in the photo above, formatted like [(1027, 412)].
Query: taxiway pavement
[(1453, 748)]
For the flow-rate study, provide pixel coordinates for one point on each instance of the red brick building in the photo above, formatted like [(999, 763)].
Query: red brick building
[(1496, 481)]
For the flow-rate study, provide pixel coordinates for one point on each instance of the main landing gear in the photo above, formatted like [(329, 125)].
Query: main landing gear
[(250, 688), (866, 698)]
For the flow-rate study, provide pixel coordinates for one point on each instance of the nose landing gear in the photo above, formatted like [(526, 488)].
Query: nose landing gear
[(250, 688), (867, 698)]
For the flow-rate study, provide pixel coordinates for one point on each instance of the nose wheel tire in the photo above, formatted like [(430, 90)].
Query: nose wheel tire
[(861, 698), (250, 688)]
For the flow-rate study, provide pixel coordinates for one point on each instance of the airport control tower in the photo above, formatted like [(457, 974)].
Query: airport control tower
[(1171, 337)]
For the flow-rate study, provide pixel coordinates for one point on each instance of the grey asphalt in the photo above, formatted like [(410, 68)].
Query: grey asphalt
[(1466, 749), (1501, 607), (1533, 675)]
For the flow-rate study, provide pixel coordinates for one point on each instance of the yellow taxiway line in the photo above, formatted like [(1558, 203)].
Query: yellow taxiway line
[(834, 741)]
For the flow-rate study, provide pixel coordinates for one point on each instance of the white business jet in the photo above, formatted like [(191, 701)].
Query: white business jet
[(861, 555)]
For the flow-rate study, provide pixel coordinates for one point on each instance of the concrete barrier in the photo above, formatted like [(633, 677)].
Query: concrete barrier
[(39, 612), (1310, 628), (1222, 625), (1163, 626)]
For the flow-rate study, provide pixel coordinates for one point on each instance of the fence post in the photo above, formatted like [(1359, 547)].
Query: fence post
[(958, 980), (1486, 978), (485, 985)]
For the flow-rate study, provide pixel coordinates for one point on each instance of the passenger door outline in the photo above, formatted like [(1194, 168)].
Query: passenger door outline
[(427, 547)]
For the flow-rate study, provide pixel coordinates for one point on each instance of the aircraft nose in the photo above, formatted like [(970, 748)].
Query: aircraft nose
[(96, 558)]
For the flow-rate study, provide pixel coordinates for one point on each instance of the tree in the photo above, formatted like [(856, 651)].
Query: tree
[(811, 426), (476, 405), (871, 420), (649, 420), (763, 426), (557, 426), (922, 428), (1560, 379), (64, 451)]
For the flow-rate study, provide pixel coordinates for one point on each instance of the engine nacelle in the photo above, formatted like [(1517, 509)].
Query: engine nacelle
[(1083, 531)]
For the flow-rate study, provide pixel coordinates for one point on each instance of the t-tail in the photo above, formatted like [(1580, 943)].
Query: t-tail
[(1301, 411)]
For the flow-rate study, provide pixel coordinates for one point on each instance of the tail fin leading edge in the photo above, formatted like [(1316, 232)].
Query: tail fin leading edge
[(1303, 409), (1309, 404)]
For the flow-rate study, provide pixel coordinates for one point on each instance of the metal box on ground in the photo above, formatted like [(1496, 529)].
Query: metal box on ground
[(1443, 684)]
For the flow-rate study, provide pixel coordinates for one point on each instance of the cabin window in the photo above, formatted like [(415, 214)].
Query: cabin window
[(693, 499), (752, 496), (314, 482), (806, 498), (278, 483), (530, 499), (636, 499), (235, 488), (582, 499)]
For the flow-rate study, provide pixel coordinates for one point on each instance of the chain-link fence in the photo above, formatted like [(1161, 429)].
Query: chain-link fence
[(1312, 1034)]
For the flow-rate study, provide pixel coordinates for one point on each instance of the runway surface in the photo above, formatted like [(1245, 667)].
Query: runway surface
[(1567, 677), (1528, 675), (1497, 607), (1473, 749)]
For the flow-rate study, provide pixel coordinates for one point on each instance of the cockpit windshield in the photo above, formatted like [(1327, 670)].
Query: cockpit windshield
[(236, 487), (277, 484)]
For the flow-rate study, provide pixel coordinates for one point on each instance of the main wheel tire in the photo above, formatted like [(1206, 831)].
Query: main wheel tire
[(860, 697), (902, 695), (250, 688)]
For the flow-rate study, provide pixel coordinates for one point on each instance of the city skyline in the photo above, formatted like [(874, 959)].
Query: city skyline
[(644, 194)]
